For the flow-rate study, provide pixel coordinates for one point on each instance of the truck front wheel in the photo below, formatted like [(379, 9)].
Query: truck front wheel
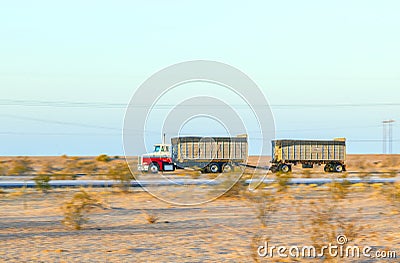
[(213, 168), (227, 168), (328, 168), (285, 168), (338, 168), (153, 168)]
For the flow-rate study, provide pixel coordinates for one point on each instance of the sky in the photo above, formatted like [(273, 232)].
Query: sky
[(68, 68)]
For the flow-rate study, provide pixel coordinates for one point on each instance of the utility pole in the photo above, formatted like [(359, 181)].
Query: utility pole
[(387, 136)]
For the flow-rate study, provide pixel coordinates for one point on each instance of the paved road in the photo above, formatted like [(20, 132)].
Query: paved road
[(146, 183), (321, 181), (105, 183)]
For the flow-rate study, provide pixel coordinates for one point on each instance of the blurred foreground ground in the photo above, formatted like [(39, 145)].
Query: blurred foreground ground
[(226, 230)]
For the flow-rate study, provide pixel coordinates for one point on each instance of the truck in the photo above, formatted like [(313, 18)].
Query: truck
[(207, 154), (308, 153)]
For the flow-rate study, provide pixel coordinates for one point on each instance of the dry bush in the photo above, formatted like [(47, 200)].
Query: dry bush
[(235, 188), (120, 172), (77, 209), (390, 173), (47, 168), (103, 158), (282, 181), (360, 164), (255, 243), (392, 194), (3, 169), (69, 172), (266, 203), (329, 219), (306, 173), (88, 167), (21, 166), (339, 190), (193, 173), (390, 162), (150, 218), (42, 182)]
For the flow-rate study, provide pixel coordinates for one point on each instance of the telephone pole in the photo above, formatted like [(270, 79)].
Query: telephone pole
[(387, 140)]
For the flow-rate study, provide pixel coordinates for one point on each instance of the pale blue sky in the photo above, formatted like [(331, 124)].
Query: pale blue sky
[(299, 52)]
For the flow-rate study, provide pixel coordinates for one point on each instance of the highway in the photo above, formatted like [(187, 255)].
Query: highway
[(105, 183), (321, 181), (174, 182)]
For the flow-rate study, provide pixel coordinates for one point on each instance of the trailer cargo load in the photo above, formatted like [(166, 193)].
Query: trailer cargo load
[(332, 153), (210, 154)]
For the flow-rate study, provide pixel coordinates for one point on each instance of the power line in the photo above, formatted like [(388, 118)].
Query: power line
[(58, 122), (118, 134), (82, 104)]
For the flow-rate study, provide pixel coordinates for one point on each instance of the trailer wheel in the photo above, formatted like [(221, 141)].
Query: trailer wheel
[(338, 168), (285, 168), (153, 168), (327, 168), (213, 168), (274, 168), (227, 168)]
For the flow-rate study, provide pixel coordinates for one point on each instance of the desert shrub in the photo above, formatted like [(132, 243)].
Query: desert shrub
[(339, 190), (87, 167), (21, 166), (47, 168), (120, 172), (77, 209), (64, 156), (42, 182), (3, 169), (103, 158), (235, 187), (306, 173), (390, 173), (282, 181), (329, 218), (116, 157), (44, 176), (150, 218), (266, 203), (69, 172), (392, 193)]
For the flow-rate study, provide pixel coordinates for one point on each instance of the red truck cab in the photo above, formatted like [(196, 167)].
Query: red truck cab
[(158, 160)]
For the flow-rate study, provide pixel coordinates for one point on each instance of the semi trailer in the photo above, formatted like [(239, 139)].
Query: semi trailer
[(208, 154), (308, 153)]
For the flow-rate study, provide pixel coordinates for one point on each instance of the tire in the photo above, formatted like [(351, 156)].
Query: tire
[(285, 168), (328, 168), (227, 168), (273, 168), (213, 168), (338, 168), (153, 168)]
